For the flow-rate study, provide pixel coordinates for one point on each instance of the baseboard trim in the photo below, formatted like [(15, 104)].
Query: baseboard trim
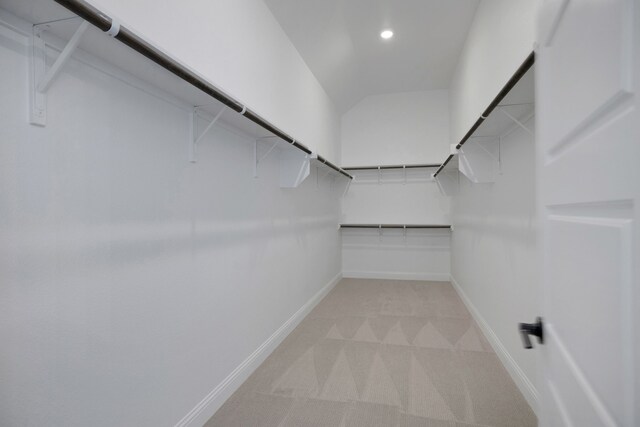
[(527, 389), (204, 410), (440, 277)]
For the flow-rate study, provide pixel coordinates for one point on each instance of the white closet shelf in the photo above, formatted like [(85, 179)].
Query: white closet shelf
[(386, 167), (399, 226), (510, 110), (146, 65)]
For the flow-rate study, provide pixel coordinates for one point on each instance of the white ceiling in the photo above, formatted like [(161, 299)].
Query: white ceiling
[(340, 42)]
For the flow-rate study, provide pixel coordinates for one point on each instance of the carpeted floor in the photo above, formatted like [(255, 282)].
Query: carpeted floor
[(381, 353)]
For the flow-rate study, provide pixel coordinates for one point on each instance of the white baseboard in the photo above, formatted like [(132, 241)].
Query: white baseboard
[(439, 277), (204, 410), (527, 389)]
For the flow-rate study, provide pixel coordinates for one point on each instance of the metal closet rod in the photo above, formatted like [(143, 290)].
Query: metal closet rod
[(521, 71), (401, 226), (124, 35), (443, 165), (414, 166)]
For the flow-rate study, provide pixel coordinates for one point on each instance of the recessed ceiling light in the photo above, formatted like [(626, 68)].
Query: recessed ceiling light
[(386, 34)]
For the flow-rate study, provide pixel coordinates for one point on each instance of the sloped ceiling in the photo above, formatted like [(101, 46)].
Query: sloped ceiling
[(340, 42)]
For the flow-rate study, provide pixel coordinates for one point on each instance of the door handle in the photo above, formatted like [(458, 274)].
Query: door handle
[(534, 329)]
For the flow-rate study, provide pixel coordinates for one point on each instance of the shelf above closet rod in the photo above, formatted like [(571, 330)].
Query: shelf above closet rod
[(384, 167), (400, 226), (130, 39), (513, 81)]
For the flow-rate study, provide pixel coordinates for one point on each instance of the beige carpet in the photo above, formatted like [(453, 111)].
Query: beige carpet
[(381, 353)]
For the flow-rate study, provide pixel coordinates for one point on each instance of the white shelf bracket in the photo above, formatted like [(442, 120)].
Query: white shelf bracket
[(346, 188), (257, 159), (193, 141), (404, 169), (448, 182), (489, 153), (295, 167), (62, 59), (41, 78), (516, 121)]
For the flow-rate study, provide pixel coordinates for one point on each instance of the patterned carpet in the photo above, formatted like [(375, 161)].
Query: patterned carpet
[(381, 353)]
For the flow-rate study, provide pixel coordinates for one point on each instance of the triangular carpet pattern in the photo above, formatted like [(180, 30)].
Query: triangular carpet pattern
[(381, 353), (340, 386), (430, 337), (300, 379)]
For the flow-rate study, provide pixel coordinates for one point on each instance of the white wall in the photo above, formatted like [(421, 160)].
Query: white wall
[(400, 128), (239, 46), (493, 245), (397, 128), (132, 282), (494, 255), (500, 39)]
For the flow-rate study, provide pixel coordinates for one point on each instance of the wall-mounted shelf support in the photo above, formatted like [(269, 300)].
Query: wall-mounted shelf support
[(385, 167), (257, 159), (295, 167), (121, 33), (495, 156), (448, 182), (346, 188), (476, 161), (193, 140), (41, 78), (516, 121)]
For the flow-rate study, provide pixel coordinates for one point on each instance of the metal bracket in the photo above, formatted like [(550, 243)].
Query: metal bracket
[(518, 122), (41, 78), (346, 189), (193, 141), (257, 159), (489, 153)]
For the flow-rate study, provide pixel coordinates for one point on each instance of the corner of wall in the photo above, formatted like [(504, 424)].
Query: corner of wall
[(523, 383), (208, 406)]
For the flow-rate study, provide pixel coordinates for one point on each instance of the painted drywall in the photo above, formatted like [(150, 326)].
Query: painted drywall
[(239, 46), (414, 255), (493, 249), (395, 196), (501, 37), (494, 255), (399, 128), (132, 282)]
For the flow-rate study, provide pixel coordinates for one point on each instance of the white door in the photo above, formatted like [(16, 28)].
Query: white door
[(587, 78)]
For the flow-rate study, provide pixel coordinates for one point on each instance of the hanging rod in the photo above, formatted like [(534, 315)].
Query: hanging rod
[(520, 72), (127, 37), (442, 166), (401, 226), (382, 167)]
